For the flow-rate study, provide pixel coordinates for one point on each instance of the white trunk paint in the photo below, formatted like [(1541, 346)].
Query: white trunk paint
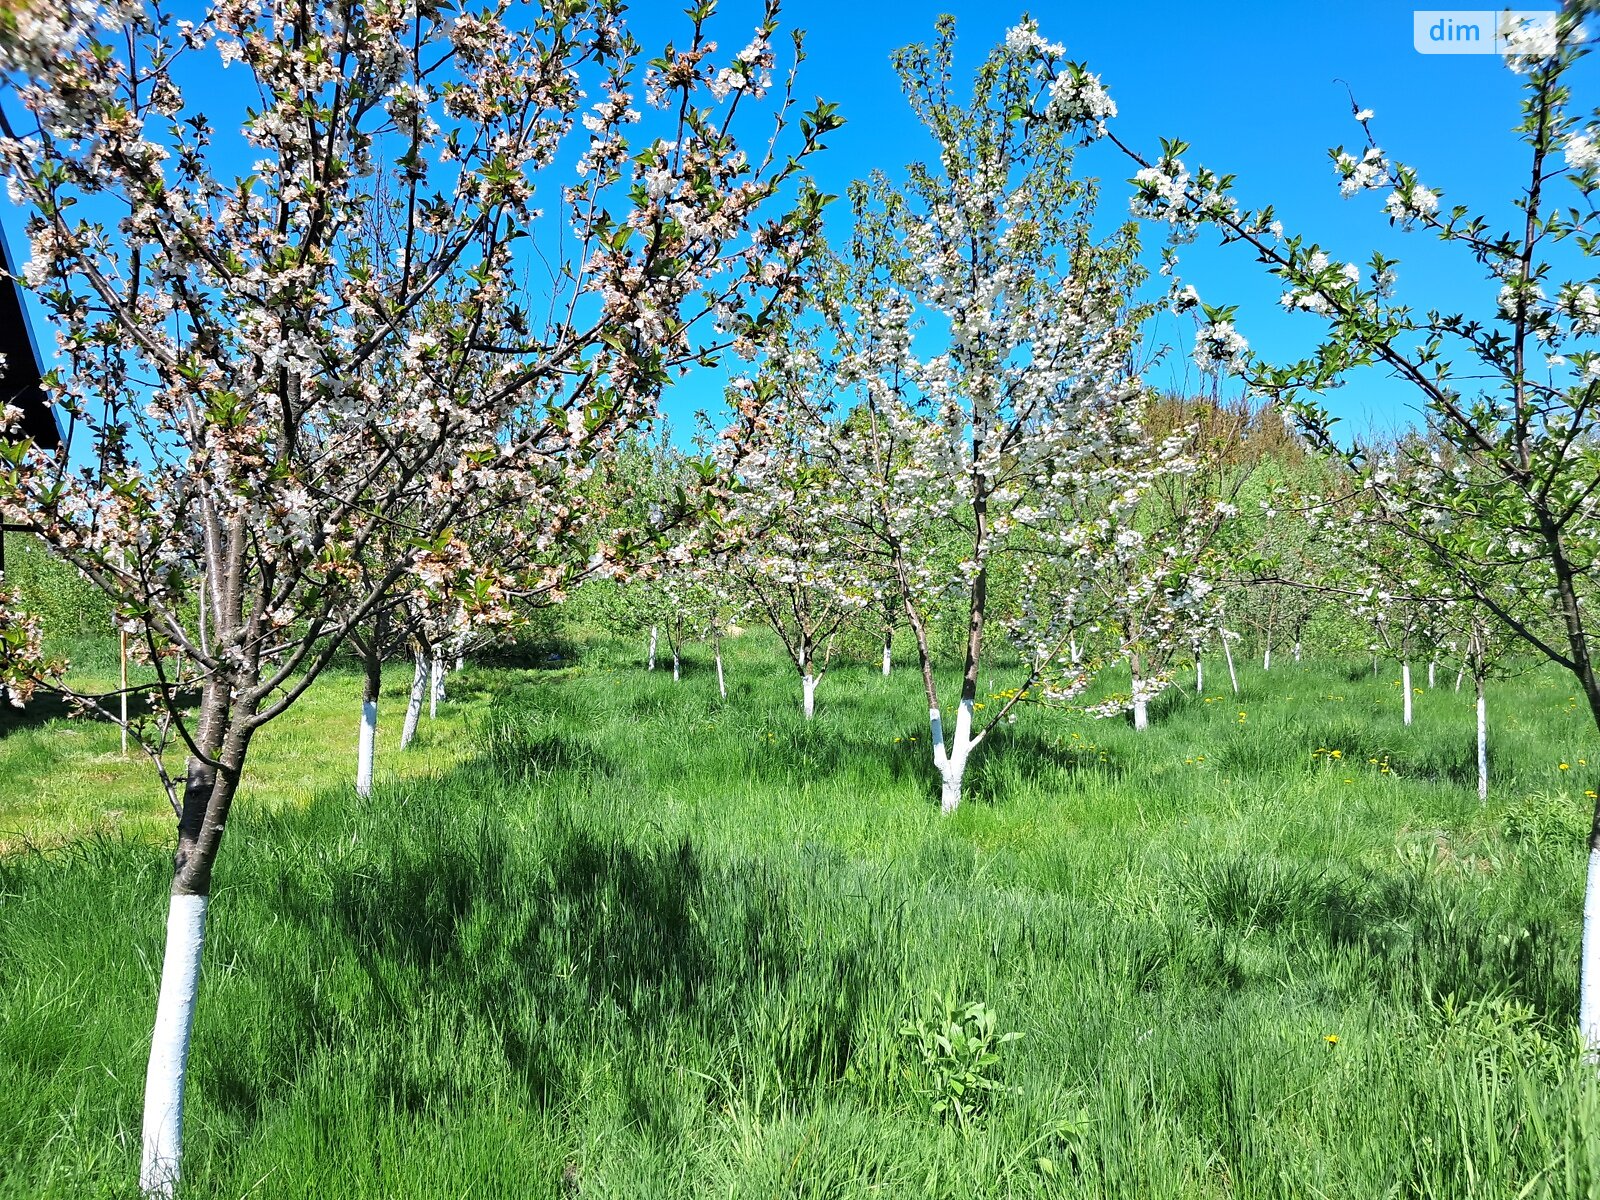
[(1461, 674), (435, 685), (419, 684), (888, 658), (1431, 667), (722, 686), (169, 1047), (1199, 676), (1405, 688), (1483, 745), (676, 673), (1266, 658), (1227, 653), (1589, 974), (460, 662), (367, 747), (952, 764), (1141, 714), (651, 665), (1297, 652), (808, 685), (1075, 650)]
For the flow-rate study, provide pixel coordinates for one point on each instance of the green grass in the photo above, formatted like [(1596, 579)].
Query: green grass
[(618, 938), (63, 778)]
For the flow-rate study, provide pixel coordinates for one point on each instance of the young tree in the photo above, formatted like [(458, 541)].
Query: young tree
[(215, 331), (1030, 418), (784, 550)]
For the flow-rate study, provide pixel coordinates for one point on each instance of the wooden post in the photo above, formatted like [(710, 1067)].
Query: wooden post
[(122, 657)]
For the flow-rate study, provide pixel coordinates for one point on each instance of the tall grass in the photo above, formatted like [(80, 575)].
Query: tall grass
[(640, 942)]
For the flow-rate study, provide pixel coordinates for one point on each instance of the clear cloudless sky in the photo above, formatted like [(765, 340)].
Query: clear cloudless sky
[(1260, 90)]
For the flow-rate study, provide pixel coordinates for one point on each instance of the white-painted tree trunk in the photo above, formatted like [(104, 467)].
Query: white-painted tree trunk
[(1297, 652), (952, 763), (651, 664), (1141, 705), (1227, 653), (461, 661), (435, 686), (169, 1047), (1405, 688), (677, 674), (808, 685), (1199, 676), (1266, 658), (366, 749), (1589, 971), (1432, 665), (419, 685), (722, 686), (1075, 651), (1483, 744), (888, 656), (1461, 674)]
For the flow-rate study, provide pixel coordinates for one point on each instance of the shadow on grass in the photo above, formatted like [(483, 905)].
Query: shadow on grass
[(45, 707), (1434, 931), (564, 945)]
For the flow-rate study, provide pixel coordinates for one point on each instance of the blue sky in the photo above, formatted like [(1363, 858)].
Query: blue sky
[(1259, 89), (1253, 86)]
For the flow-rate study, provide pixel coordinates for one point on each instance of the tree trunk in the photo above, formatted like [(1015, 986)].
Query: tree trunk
[(200, 615), (1141, 705), (888, 648), (207, 797), (952, 765), (1589, 970), (435, 684), (1227, 653), (1461, 674), (1297, 651), (1483, 741), (366, 750), (1405, 688), (1266, 658), (1074, 651), (676, 672), (722, 686), (808, 687), (419, 685), (1432, 665), (650, 665), (1199, 675), (164, 1078)]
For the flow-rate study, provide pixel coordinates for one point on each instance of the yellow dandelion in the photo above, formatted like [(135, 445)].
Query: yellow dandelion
[(1562, 767), (1331, 1038)]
